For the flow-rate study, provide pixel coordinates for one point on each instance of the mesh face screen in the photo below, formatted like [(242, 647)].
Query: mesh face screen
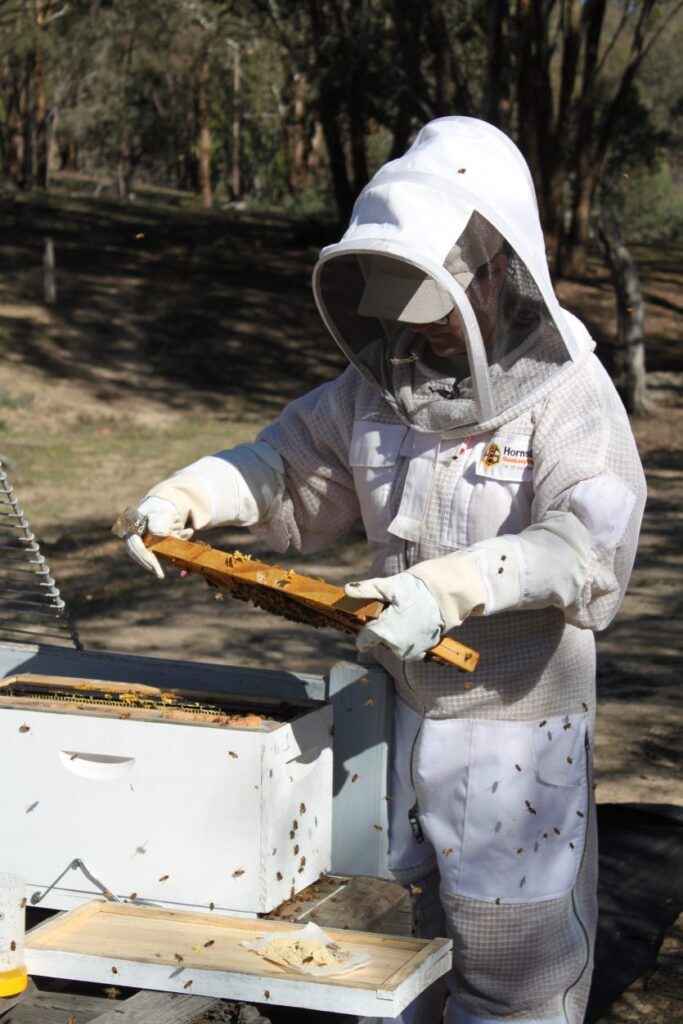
[(435, 374)]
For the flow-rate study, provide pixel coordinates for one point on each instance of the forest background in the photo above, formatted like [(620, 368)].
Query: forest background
[(169, 170)]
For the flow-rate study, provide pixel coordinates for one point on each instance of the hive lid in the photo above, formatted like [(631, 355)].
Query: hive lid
[(144, 947)]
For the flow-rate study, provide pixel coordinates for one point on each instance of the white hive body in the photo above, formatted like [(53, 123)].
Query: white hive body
[(11, 921), (186, 815)]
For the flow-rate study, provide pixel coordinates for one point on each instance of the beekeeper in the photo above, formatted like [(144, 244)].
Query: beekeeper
[(494, 469)]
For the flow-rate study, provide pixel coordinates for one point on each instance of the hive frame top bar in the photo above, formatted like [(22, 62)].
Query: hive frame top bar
[(290, 594), (148, 703)]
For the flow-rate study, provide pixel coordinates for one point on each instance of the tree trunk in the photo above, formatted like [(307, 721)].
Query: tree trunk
[(574, 250), (28, 122), (14, 155), (296, 142), (235, 134), (537, 131), (204, 133), (335, 150), (629, 353), (437, 34), (40, 99), (496, 94)]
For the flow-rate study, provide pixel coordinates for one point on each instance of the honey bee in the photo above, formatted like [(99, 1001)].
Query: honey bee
[(292, 833), (211, 906), (238, 872), (24, 728), (112, 993), (114, 970), (571, 846), (296, 849), (378, 828), (520, 849), (544, 722), (354, 778), (266, 994), (133, 896), (530, 809), (211, 942), (231, 753), (302, 808), (497, 901), (556, 830), (307, 960), (369, 702), (188, 984), (416, 890), (580, 814), (13, 945), (584, 705), (295, 824), (279, 876), (567, 725), (518, 767), (22, 903), (570, 760), (303, 862), (178, 958), (447, 850), (164, 878)]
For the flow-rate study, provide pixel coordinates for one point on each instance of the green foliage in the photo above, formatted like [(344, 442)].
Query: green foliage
[(649, 206)]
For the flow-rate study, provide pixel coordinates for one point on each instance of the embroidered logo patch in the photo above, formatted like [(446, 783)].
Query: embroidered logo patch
[(507, 457), (491, 456)]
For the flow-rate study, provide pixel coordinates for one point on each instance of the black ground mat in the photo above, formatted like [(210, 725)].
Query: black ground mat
[(640, 894)]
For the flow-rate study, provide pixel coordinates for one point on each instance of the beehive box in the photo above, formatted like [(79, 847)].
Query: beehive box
[(189, 813)]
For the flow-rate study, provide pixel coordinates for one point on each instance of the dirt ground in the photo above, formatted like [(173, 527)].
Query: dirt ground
[(177, 333)]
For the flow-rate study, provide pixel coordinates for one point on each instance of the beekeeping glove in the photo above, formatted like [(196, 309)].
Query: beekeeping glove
[(412, 622), (236, 487), (164, 518), (546, 565)]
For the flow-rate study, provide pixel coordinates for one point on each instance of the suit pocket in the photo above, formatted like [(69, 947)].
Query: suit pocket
[(373, 456), (507, 816)]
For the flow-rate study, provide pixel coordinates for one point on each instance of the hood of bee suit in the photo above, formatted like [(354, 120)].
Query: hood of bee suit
[(450, 228)]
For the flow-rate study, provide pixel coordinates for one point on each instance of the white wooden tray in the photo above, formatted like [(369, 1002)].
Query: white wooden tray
[(144, 947)]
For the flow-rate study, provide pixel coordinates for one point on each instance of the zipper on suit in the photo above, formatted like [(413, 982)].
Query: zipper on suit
[(575, 909), (414, 812)]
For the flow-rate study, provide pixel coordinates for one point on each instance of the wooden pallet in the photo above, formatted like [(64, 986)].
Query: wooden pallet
[(290, 594)]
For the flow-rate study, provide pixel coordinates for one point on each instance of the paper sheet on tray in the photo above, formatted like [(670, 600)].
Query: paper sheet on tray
[(310, 933)]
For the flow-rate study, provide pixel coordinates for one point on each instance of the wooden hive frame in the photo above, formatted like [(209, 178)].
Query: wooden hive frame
[(290, 594)]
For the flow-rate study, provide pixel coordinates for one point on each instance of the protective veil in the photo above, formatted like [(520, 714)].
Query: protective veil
[(514, 450)]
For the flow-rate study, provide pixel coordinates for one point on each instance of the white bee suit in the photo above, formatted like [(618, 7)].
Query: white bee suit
[(509, 482)]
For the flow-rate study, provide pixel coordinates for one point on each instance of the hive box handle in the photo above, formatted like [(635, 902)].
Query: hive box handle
[(96, 766)]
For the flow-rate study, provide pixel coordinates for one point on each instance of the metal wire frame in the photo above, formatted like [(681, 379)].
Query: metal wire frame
[(31, 607)]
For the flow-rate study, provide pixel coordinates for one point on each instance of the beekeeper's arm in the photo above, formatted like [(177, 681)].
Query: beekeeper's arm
[(577, 554), (292, 485)]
